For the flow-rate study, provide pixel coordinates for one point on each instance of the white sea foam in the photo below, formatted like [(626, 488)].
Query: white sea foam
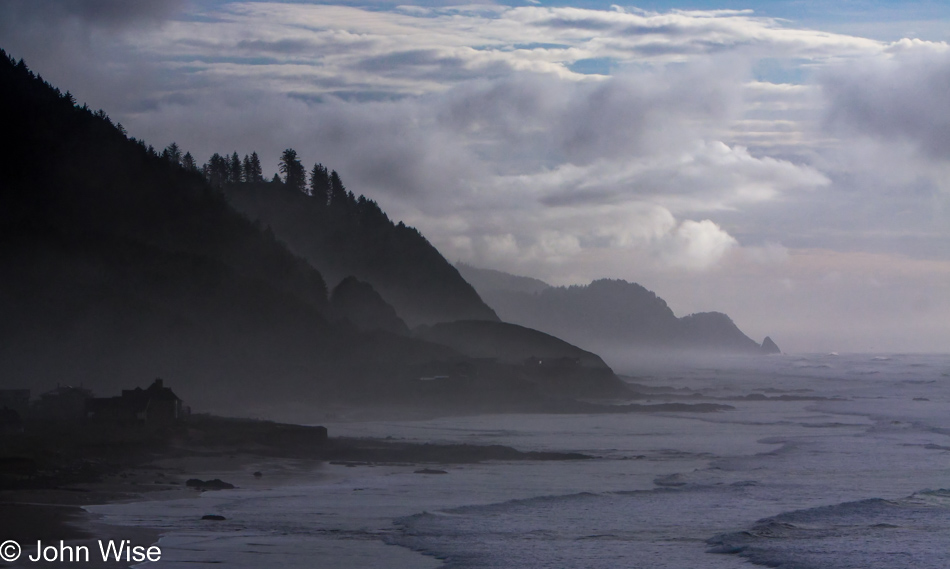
[(836, 477)]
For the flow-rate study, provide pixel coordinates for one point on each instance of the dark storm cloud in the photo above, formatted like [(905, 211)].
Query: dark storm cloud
[(109, 13), (695, 47), (673, 30), (286, 46), (433, 65), (79, 45), (391, 62), (589, 24)]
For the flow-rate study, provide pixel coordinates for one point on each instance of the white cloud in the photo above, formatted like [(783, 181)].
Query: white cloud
[(682, 169), (767, 254), (901, 94), (698, 244)]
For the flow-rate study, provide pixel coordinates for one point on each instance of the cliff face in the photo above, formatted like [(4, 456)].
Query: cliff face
[(608, 313)]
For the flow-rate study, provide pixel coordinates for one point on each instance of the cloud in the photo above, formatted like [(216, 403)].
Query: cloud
[(565, 143), (428, 49), (522, 169), (899, 95), (101, 13), (768, 254), (698, 244)]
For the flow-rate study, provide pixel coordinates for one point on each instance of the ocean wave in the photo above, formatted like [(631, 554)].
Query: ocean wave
[(912, 532)]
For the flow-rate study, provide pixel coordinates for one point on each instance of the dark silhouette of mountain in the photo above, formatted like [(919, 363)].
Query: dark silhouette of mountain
[(558, 366), (357, 302), (608, 314), (509, 343), (352, 236), (491, 280), (120, 263), (715, 331)]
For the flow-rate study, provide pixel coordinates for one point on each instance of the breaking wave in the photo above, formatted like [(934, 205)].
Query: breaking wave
[(913, 532)]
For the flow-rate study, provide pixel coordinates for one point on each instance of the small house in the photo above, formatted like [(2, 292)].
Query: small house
[(154, 405)]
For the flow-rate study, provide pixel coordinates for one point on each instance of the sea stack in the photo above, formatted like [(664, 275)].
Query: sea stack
[(769, 347)]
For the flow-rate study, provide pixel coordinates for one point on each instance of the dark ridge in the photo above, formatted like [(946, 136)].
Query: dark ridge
[(491, 280), (358, 303), (353, 236), (72, 173), (121, 263), (509, 343), (611, 314)]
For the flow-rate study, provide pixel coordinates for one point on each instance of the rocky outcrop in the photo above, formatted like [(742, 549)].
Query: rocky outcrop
[(216, 484), (357, 302), (770, 347)]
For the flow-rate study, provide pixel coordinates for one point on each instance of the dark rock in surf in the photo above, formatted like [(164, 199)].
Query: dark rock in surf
[(769, 347), (216, 484)]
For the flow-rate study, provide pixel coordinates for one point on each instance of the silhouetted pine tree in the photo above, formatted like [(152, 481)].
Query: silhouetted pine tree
[(337, 190), (255, 173), (217, 170), (246, 166), (294, 174), (188, 162), (320, 183), (235, 171), (172, 154)]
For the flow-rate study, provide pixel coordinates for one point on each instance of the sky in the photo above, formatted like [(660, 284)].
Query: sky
[(786, 162)]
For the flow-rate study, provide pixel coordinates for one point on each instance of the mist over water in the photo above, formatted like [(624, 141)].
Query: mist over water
[(826, 461)]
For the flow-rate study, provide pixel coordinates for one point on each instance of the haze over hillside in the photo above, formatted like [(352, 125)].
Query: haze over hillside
[(122, 264), (608, 315), (342, 235)]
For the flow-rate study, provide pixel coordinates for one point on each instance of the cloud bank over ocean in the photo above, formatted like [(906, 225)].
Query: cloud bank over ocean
[(788, 174)]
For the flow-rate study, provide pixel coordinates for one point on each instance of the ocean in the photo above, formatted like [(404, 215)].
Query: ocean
[(826, 462)]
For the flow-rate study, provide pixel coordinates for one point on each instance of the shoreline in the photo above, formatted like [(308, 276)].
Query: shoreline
[(49, 476)]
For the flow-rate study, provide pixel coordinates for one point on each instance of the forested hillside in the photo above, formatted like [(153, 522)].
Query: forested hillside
[(121, 263), (344, 235)]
